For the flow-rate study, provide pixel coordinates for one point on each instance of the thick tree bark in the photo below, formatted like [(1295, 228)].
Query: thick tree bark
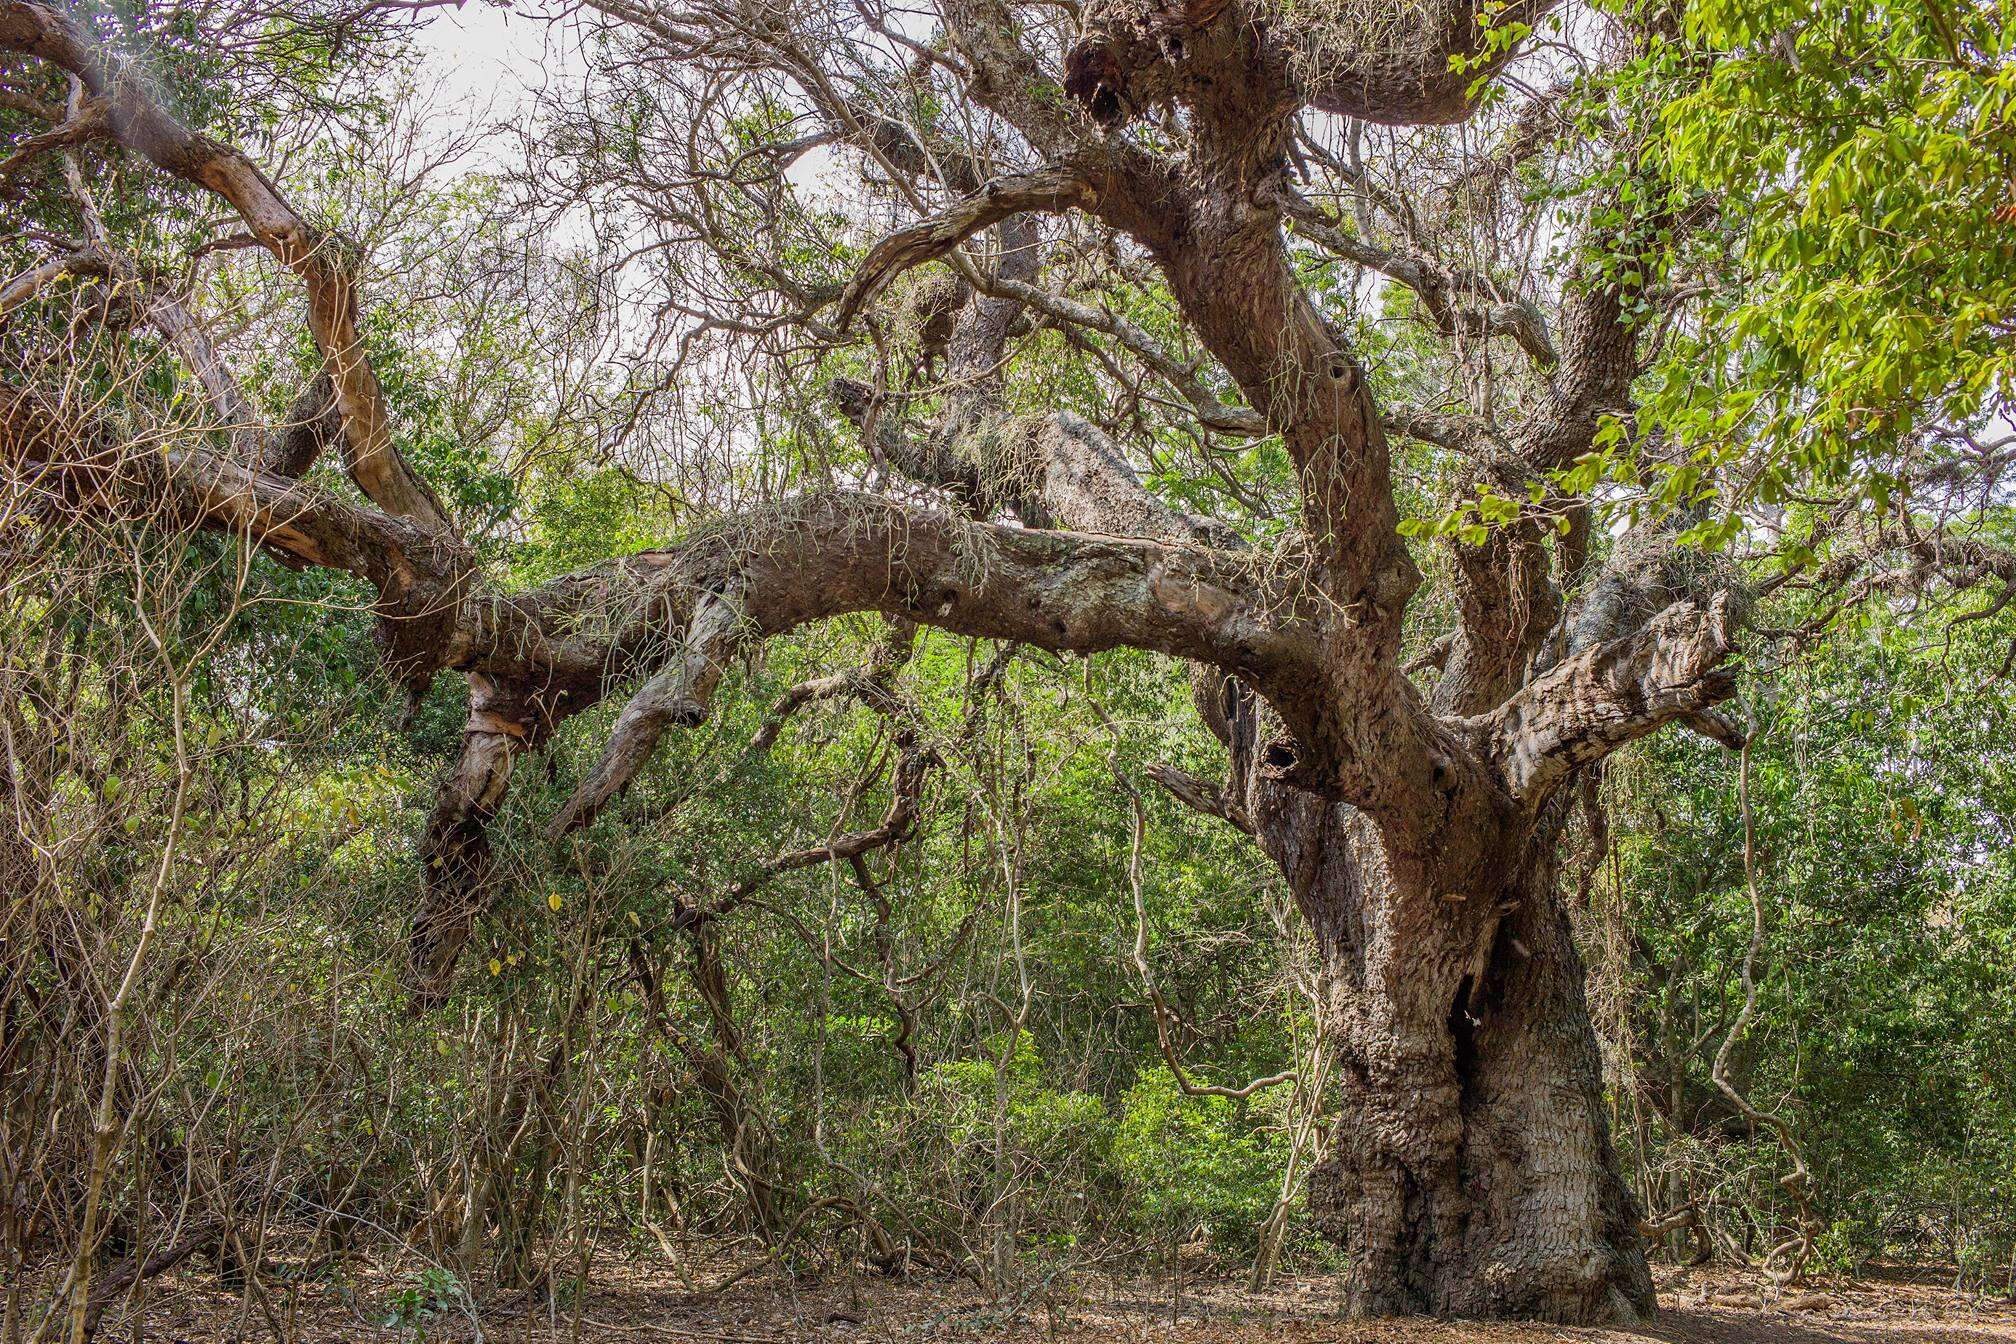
[(1472, 1172)]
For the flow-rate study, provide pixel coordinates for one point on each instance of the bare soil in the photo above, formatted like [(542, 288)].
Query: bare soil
[(646, 1302)]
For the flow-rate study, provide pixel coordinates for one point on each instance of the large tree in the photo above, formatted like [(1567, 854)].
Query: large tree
[(1119, 235)]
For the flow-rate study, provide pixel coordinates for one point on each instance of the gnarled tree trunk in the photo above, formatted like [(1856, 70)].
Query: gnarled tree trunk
[(1471, 1172)]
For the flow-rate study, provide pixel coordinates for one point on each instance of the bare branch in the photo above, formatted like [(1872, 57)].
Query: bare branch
[(18, 100), (1457, 302), (905, 796), (89, 123), (677, 694), (82, 465), (872, 685), (1212, 412), (69, 463), (29, 283), (1052, 190), (1213, 800)]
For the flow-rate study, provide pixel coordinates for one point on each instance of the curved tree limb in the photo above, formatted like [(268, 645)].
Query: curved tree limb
[(421, 577), (89, 122), (1426, 74), (872, 685), (1457, 302), (25, 286), (20, 100), (676, 695), (1417, 65), (1051, 190), (1201, 795)]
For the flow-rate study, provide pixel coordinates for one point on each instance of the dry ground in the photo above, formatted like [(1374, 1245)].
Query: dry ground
[(643, 1303)]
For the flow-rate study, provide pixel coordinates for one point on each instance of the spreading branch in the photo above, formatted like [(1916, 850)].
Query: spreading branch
[(89, 122), (676, 695), (23, 287), (1201, 795), (1456, 301), (1428, 73), (75, 461)]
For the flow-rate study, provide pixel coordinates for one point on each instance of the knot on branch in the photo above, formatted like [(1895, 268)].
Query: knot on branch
[(1096, 81), (1126, 57)]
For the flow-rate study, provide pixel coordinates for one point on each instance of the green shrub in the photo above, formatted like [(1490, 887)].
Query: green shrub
[(937, 1171), (1197, 1162)]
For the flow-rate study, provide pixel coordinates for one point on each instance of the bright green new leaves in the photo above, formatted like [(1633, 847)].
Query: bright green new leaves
[(1860, 161)]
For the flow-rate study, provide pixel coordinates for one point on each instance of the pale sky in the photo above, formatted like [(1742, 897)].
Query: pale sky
[(491, 61), (481, 48)]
